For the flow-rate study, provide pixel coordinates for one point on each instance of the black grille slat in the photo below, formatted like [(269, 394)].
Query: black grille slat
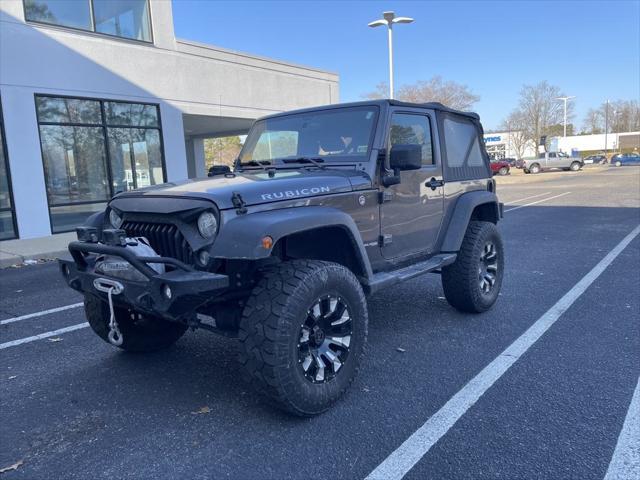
[(165, 238)]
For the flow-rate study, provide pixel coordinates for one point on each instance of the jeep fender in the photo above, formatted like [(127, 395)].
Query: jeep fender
[(241, 237), (461, 215), (95, 220)]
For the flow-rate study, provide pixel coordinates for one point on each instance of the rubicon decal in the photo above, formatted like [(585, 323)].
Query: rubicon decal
[(301, 192)]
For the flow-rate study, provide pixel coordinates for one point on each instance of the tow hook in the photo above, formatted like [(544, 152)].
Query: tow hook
[(111, 287)]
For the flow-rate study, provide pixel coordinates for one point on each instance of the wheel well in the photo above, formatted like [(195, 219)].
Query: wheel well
[(333, 244), (485, 212)]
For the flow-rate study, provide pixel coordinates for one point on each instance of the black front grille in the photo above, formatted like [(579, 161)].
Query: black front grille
[(164, 238)]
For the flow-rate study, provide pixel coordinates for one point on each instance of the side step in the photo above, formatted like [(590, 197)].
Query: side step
[(386, 279)]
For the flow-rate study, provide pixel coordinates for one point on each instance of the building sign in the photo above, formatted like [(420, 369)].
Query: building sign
[(492, 139)]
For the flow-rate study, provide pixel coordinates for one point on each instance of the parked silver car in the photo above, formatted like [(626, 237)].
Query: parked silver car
[(550, 160)]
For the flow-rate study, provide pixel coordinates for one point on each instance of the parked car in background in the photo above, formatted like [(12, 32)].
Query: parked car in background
[(594, 159), (500, 167), (520, 163), (626, 159), (510, 161), (551, 160)]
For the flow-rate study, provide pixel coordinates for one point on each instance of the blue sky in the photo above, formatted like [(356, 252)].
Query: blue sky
[(589, 49)]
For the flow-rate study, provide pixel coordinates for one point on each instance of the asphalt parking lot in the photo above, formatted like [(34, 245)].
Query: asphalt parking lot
[(538, 387)]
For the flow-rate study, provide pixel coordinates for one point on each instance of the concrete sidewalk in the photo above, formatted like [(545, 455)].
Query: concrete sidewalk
[(16, 252)]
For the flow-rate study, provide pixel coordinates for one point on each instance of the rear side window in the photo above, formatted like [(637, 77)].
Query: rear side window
[(464, 156)]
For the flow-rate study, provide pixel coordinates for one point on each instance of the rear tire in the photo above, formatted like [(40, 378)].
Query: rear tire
[(618, 163), (141, 333), (302, 317), (503, 171), (535, 168), (472, 283), (575, 166)]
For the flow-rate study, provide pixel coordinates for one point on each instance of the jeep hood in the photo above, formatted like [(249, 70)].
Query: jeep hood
[(257, 186)]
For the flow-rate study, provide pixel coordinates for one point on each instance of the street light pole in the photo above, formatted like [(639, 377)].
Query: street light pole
[(606, 126), (389, 18), (564, 99)]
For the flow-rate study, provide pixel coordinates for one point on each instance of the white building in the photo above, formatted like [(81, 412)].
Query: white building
[(98, 96), (512, 145), (594, 143), (508, 145)]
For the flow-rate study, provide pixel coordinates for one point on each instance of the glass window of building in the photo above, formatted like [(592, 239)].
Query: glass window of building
[(123, 18), (119, 18), (90, 153), (7, 214), (66, 13)]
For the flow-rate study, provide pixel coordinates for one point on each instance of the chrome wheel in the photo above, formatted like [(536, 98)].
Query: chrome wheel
[(325, 336), (488, 269)]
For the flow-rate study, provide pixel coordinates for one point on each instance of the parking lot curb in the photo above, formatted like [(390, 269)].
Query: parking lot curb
[(33, 250), (8, 260)]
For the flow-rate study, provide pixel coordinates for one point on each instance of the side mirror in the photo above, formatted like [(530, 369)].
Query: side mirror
[(406, 157), (219, 170)]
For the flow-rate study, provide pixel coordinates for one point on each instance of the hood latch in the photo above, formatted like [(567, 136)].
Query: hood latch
[(238, 203)]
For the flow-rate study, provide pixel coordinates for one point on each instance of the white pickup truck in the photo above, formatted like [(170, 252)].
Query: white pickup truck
[(550, 160)]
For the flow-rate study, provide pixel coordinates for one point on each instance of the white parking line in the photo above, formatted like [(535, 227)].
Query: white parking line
[(528, 198), (535, 203), (39, 314), (625, 462), (400, 461), (53, 333)]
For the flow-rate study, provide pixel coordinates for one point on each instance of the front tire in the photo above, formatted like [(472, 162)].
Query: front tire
[(302, 334), (472, 283), (503, 171), (140, 333), (618, 163)]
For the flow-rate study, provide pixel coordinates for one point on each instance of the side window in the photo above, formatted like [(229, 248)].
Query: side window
[(464, 156), (409, 129)]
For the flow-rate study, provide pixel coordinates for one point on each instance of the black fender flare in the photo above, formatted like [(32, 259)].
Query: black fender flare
[(241, 237), (461, 216), (95, 220)]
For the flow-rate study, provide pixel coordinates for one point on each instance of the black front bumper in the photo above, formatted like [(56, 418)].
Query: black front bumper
[(189, 288)]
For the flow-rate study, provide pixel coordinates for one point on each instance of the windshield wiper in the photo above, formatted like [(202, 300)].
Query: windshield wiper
[(317, 161), (257, 163)]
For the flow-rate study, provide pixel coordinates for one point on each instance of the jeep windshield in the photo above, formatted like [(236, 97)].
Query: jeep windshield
[(311, 138)]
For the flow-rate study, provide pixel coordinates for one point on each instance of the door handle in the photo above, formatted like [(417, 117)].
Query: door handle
[(433, 183)]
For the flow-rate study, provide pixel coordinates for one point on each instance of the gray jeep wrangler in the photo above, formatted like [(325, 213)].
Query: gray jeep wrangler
[(323, 207)]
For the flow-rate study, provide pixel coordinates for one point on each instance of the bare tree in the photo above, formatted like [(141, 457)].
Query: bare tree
[(593, 121), (449, 93), (516, 125), (540, 110), (622, 116)]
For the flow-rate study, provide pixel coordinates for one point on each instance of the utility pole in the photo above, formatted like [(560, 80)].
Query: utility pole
[(388, 20)]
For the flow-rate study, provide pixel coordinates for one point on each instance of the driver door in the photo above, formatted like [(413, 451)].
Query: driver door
[(411, 213)]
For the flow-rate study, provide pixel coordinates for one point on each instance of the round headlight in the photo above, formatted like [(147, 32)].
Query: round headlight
[(115, 219), (207, 224)]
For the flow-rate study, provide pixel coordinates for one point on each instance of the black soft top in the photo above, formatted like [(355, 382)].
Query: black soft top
[(384, 104), (433, 106)]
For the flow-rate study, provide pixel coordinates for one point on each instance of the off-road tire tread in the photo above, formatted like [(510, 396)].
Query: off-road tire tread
[(459, 279), (259, 333)]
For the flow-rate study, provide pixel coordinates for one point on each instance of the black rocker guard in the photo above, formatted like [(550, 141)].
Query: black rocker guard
[(190, 288)]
